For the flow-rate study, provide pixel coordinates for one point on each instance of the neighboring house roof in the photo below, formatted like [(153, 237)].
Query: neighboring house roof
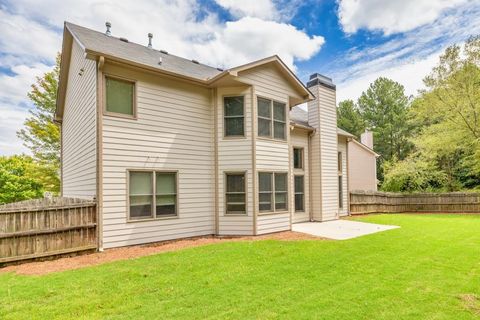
[(96, 44)]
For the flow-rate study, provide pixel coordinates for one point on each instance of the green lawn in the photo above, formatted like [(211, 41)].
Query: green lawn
[(427, 269)]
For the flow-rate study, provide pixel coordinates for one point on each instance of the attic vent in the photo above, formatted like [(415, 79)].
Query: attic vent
[(124, 39), (219, 69), (195, 61), (164, 52)]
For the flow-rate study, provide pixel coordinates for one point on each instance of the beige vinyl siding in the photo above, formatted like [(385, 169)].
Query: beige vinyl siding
[(342, 147), (328, 153), (235, 155), (79, 128), (299, 139), (173, 132), (322, 115), (362, 168), (272, 155), (314, 161)]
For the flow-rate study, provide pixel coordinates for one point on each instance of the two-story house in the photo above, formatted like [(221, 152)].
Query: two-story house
[(172, 148)]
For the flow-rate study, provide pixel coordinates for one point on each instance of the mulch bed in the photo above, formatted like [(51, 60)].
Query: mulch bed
[(82, 261)]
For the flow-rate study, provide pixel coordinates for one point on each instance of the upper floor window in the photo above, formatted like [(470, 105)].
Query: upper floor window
[(234, 118), (272, 119), (152, 194), (297, 158), (340, 163), (120, 96)]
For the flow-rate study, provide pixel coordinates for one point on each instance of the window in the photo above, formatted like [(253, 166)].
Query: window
[(297, 158), (340, 192), (165, 194), (120, 96), (235, 193), (272, 119), (273, 192), (340, 162), (233, 116), (340, 180), (280, 191), (265, 191), (299, 193), (143, 185)]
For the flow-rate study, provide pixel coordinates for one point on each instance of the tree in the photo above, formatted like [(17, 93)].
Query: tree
[(349, 118), (384, 107), (447, 115), (19, 179), (41, 135)]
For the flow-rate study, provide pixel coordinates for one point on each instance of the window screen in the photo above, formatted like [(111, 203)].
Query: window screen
[(120, 96)]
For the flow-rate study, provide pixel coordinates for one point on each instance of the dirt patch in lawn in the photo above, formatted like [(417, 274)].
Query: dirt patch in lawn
[(471, 302), (81, 261)]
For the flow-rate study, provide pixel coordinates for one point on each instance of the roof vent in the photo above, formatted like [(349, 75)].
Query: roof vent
[(164, 51), (108, 25), (219, 69), (160, 60), (195, 61), (124, 39), (150, 36)]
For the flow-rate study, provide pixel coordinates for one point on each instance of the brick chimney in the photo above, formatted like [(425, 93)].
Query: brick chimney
[(322, 115), (366, 138)]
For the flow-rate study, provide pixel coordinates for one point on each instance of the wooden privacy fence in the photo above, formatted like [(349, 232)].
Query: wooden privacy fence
[(45, 227), (362, 202)]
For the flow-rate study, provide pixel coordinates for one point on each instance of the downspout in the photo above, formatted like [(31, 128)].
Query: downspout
[(101, 62), (215, 146), (254, 160), (310, 198), (348, 177)]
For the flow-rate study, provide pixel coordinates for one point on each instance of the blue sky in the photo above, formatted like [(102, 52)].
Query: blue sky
[(352, 41)]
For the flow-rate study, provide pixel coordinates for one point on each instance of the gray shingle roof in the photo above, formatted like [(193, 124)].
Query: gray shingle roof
[(98, 42), (300, 116)]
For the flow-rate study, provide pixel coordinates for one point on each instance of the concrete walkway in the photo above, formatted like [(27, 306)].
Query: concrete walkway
[(340, 229)]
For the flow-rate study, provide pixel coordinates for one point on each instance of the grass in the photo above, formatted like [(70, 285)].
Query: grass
[(427, 269)]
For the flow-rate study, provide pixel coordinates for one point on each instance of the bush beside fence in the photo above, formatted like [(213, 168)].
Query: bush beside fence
[(363, 202), (45, 227)]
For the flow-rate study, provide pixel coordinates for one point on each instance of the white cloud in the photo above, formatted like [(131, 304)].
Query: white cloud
[(391, 16), (263, 9), (406, 58), (409, 74), (11, 120)]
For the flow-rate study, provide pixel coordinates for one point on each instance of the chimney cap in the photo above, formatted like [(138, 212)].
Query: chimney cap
[(320, 79)]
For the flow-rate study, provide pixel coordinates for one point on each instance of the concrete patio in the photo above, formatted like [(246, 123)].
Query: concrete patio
[(340, 229)]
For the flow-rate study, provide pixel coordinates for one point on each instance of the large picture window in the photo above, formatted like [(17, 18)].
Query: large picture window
[(273, 191), (152, 194), (234, 118), (235, 193), (120, 96), (272, 119)]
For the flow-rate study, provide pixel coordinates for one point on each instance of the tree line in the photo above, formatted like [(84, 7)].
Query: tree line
[(430, 142)]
